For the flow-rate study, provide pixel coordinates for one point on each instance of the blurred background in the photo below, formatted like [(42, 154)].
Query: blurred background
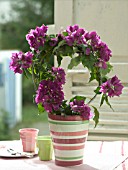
[(17, 17), (108, 17)]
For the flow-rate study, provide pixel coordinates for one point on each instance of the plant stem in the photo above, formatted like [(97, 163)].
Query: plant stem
[(46, 54), (100, 82), (92, 99), (33, 78)]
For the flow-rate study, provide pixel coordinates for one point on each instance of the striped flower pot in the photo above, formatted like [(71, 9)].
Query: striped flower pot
[(68, 135)]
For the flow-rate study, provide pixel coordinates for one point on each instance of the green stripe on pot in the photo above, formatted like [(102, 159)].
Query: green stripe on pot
[(69, 158), (69, 123)]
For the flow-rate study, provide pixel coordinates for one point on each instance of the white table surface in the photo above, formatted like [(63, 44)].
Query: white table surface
[(98, 155)]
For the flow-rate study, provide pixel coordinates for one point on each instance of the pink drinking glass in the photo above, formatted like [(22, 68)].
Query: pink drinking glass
[(28, 137)]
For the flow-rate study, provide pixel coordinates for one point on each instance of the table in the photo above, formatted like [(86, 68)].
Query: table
[(99, 155)]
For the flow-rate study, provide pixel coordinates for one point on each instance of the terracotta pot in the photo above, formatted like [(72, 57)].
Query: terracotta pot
[(68, 136)]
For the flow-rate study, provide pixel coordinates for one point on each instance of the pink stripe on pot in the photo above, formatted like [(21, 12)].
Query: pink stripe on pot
[(69, 141), (78, 133), (68, 163), (69, 147)]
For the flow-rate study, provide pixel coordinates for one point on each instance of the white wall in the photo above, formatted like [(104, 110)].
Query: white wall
[(108, 17)]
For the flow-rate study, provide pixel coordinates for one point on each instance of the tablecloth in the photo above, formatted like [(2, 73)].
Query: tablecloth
[(98, 155)]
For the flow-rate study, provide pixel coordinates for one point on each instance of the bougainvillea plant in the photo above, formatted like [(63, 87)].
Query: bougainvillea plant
[(83, 47)]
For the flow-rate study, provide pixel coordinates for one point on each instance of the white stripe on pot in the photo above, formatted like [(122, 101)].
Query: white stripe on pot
[(59, 144), (68, 153), (68, 128), (68, 137)]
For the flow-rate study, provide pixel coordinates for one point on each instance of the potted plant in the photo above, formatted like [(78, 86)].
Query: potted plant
[(67, 119)]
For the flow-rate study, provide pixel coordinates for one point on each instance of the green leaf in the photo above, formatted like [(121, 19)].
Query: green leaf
[(97, 91), (25, 73), (107, 70), (84, 48), (95, 75), (34, 98), (30, 70), (78, 98), (40, 108), (104, 79), (49, 58), (88, 61), (52, 36), (96, 117), (106, 99), (74, 62), (65, 33), (59, 59), (102, 100), (81, 48), (66, 50), (64, 103), (92, 77), (61, 43)]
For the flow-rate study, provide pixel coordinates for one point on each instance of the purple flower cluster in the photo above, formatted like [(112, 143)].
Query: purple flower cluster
[(81, 108), (21, 61), (75, 35), (36, 38), (112, 86), (50, 94), (105, 52), (100, 47), (92, 41), (95, 39), (59, 74)]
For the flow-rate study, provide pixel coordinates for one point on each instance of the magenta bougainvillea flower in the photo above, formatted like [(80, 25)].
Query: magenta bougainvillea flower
[(50, 94), (36, 38), (112, 87), (59, 74), (20, 61), (79, 106), (75, 35)]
